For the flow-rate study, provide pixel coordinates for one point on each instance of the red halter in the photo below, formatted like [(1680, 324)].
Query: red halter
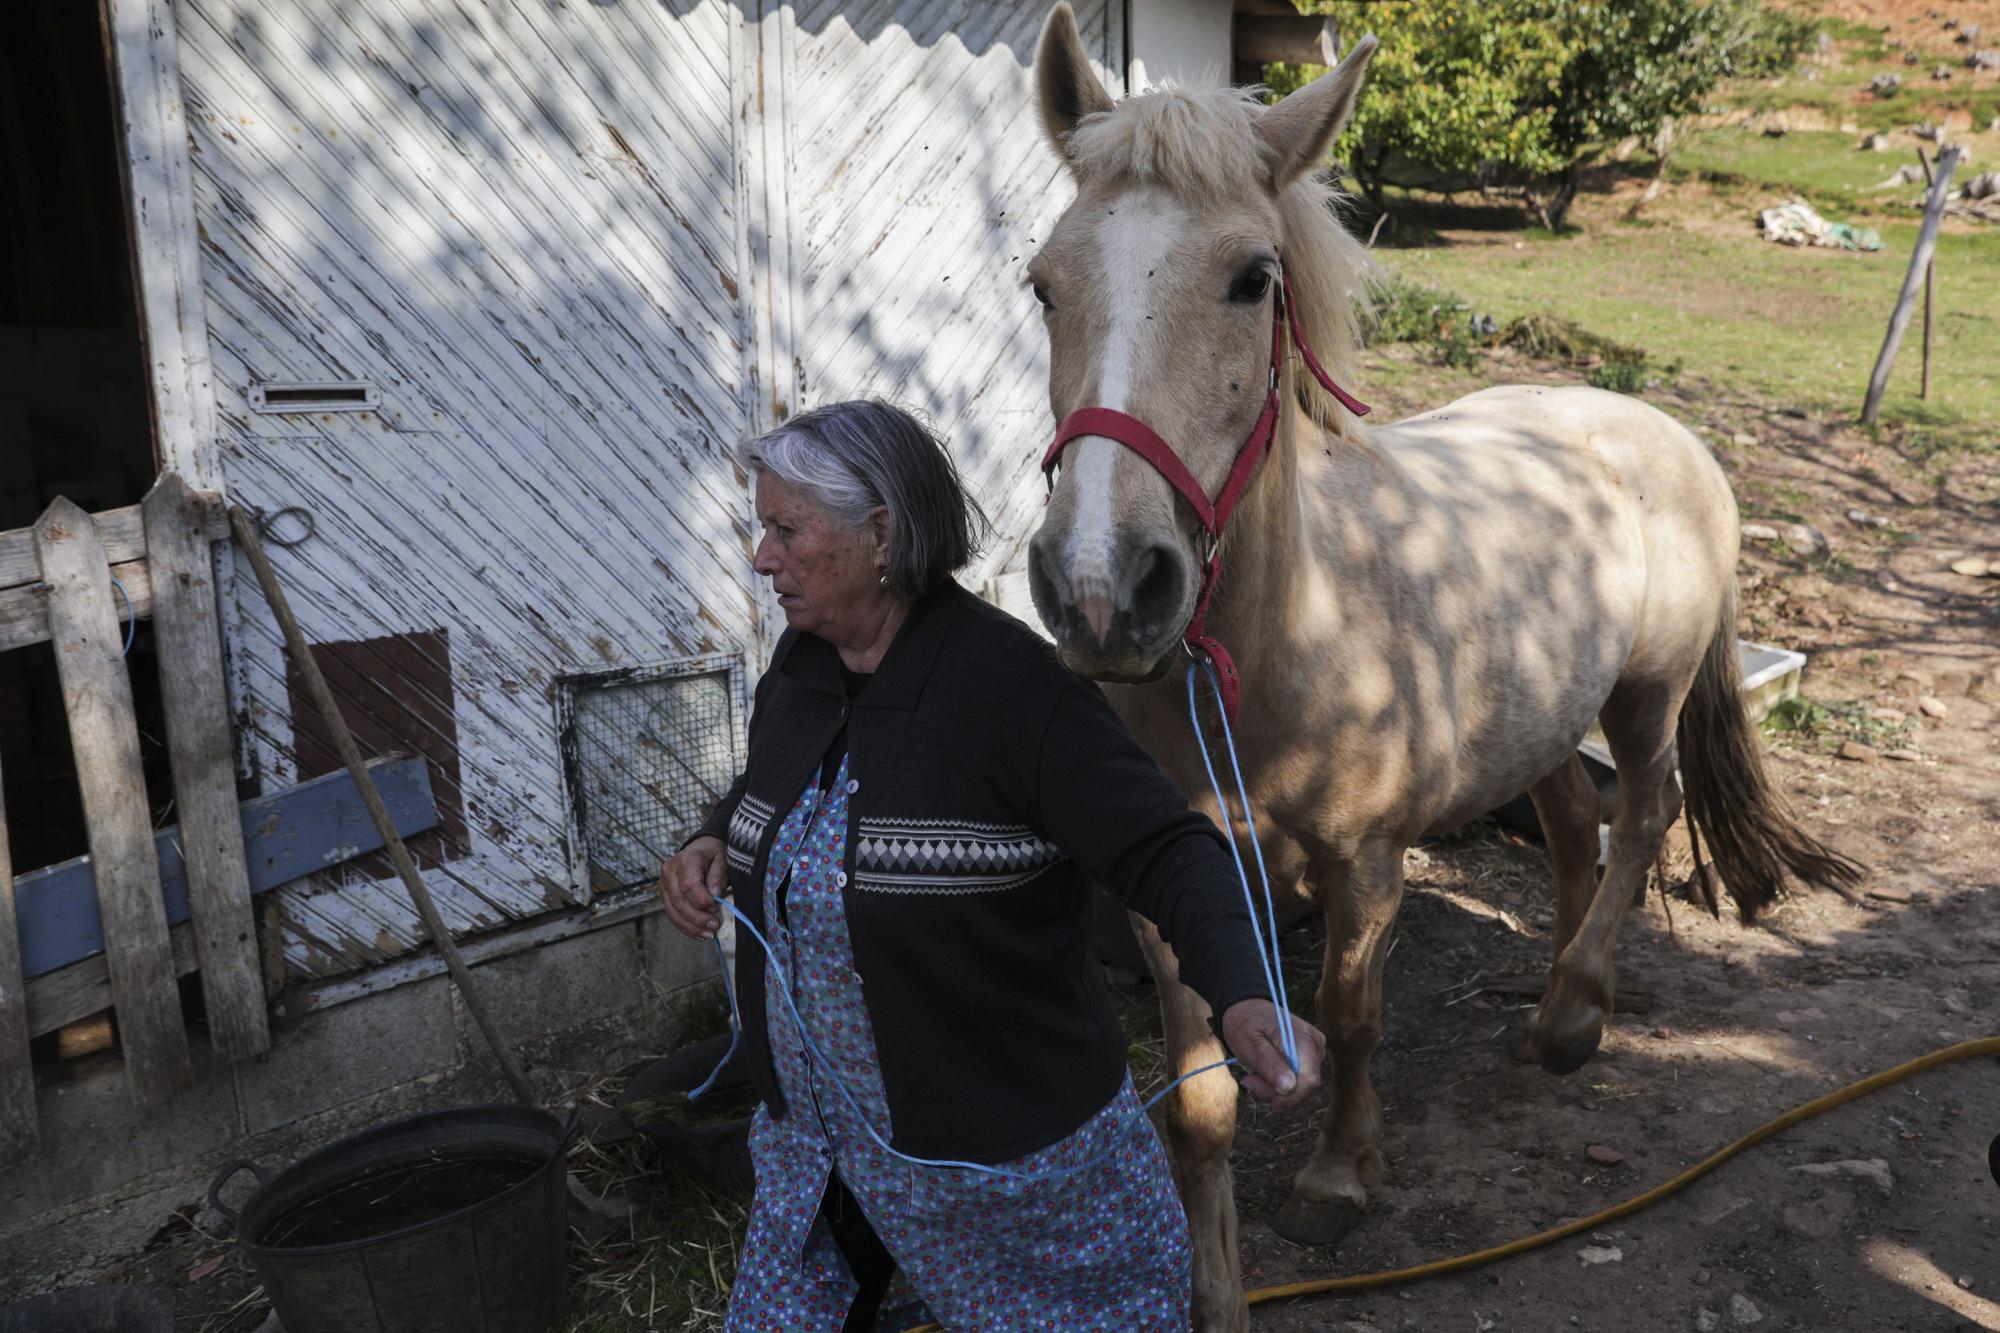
[(1135, 435)]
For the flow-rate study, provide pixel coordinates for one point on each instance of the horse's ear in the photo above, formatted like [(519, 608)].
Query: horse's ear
[(1300, 129), (1064, 81)]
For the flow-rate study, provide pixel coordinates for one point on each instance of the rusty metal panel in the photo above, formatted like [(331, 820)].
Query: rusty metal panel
[(521, 224), (395, 694)]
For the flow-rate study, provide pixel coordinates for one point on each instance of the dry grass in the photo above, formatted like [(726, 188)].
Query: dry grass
[(672, 1270)]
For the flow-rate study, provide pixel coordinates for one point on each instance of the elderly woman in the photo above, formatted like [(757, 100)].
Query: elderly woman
[(928, 798)]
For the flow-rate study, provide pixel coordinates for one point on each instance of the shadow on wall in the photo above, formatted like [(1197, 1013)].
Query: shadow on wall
[(528, 228)]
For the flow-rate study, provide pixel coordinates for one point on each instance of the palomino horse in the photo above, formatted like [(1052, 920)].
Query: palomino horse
[(1427, 615)]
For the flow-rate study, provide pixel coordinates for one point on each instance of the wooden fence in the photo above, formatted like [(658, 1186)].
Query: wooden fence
[(69, 580)]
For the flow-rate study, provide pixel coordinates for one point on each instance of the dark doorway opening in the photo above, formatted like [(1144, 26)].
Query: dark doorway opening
[(75, 417)]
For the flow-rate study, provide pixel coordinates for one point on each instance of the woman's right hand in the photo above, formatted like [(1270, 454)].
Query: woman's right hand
[(689, 885)]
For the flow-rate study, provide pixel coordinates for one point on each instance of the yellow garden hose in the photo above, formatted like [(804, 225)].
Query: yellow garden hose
[(1964, 1050)]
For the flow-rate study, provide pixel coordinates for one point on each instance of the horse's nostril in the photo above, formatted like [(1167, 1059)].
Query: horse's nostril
[(1159, 585), (1048, 587)]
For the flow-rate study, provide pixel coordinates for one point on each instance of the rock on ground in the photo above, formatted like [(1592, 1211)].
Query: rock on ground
[(1874, 1170)]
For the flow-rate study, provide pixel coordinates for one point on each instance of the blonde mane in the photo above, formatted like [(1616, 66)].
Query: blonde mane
[(1203, 146)]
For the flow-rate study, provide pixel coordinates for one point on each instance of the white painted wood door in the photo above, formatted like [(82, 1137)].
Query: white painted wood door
[(521, 223)]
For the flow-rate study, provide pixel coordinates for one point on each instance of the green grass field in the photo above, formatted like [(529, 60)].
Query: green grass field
[(1800, 326), (1692, 281), (1821, 165)]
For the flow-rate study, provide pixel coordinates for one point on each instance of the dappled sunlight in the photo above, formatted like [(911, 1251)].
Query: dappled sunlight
[(1480, 909), (1915, 1272)]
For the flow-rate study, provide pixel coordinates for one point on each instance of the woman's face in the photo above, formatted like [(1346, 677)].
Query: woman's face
[(827, 577)]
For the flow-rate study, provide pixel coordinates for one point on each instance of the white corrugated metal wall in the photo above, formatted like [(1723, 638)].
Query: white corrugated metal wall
[(920, 184), (581, 248)]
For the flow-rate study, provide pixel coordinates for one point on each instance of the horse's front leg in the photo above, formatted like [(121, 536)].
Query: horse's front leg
[(1360, 898), (1201, 1124)]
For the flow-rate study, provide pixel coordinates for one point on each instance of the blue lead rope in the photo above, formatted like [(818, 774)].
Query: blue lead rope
[(1267, 946), (1267, 954)]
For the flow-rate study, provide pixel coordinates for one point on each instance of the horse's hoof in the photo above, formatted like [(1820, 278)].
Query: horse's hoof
[(1567, 1053), (1304, 1221)]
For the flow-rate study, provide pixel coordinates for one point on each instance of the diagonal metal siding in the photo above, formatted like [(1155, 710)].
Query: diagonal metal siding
[(521, 221)]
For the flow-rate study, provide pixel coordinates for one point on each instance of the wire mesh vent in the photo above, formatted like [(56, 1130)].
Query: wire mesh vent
[(648, 753)]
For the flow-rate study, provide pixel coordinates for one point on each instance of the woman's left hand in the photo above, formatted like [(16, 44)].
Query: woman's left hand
[(1250, 1028)]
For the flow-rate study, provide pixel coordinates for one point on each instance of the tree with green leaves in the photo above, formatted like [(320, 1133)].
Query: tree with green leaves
[(1520, 94)]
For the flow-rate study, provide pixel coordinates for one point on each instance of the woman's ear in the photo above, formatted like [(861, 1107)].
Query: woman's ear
[(879, 531)]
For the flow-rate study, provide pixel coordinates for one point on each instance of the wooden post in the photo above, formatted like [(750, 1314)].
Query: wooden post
[(350, 754), (1930, 282), (97, 695), (188, 630), (1899, 320), (18, 1135)]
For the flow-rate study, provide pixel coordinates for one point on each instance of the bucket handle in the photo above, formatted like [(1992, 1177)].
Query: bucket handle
[(222, 1178)]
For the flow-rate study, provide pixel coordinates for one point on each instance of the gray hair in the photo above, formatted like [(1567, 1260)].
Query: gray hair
[(855, 456)]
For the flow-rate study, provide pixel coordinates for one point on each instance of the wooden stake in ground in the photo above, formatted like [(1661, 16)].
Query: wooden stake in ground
[(1920, 258), (187, 631), (1930, 282), (104, 733), (350, 754)]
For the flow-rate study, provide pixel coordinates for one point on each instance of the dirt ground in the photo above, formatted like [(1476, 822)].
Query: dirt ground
[(1744, 1023)]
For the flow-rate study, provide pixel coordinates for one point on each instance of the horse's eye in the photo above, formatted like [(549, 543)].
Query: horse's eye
[(1250, 285), (1042, 295)]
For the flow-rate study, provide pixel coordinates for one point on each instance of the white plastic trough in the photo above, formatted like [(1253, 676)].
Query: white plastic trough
[(1770, 676)]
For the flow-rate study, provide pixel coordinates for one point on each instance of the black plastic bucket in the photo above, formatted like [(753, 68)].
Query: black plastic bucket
[(448, 1222), (713, 1145)]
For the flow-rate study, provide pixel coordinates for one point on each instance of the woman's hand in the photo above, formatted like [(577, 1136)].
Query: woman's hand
[(1250, 1028), (689, 885)]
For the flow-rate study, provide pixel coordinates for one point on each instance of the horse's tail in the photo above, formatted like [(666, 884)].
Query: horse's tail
[(1730, 800)]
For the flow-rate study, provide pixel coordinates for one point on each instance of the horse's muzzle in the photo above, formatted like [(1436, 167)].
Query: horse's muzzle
[(1119, 624)]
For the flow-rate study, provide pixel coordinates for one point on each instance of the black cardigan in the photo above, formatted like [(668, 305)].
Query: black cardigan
[(989, 786)]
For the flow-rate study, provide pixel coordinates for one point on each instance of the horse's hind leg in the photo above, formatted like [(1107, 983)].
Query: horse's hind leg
[(1638, 721), (1360, 898), (1566, 806), (1201, 1124)]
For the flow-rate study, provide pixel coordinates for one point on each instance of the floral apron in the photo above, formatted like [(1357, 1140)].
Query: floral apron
[(1103, 1248)]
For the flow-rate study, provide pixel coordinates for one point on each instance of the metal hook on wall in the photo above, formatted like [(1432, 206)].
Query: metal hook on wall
[(267, 522)]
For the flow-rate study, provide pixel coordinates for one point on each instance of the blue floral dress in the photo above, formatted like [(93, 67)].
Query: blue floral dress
[(1105, 1247)]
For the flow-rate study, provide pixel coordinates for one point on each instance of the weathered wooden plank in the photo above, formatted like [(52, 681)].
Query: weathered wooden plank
[(97, 696), (1530, 986), (302, 829), (18, 1132), (24, 611), (286, 835), (82, 989), (187, 632), (123, 532), (144, 37)]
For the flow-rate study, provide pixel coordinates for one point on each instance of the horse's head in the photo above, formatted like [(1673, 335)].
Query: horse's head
[(1156, 285)]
